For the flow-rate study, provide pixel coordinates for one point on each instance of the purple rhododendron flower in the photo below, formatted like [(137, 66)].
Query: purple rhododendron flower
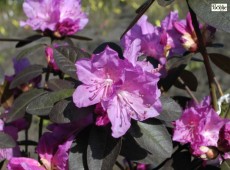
[(199, 125), (108, 80), (63, 16), (150, 39), (189, 38), (224, 138), (50, 58), (22, 163), (100, 75), (102, 117), (171, 36)]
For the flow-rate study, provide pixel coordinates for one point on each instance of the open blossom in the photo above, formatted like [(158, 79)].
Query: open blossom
[(100, 76), (63, 16), (122, 89), (53, 147), (200, 126)]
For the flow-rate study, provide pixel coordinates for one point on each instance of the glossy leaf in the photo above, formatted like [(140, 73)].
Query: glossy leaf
[(27, 51), (19, 107), (103, 149), (171, 110), (6, 141), (217, 19), (221, 61), (164, 2), (189, 80), (26, 75), (65, 111), (65, 64), (154, 138), (28, 40), (59, 84), (42, 105)]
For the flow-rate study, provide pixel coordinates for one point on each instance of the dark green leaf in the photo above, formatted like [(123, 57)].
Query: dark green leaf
[(189, 80), (155, 139), (112, 45), (77, 155), (28, 142), (164, 2), (65, 64), (42, 105), (171, 110), (175, 66), (26, 75), (65, 111), (59, 84), (19, 107), (181, 100), (225, 165), (6, 141), (72, 53), (103, 149), (28, 51), (221, 61), (140, 11), (28, 40), (78, 37), (203, 8)]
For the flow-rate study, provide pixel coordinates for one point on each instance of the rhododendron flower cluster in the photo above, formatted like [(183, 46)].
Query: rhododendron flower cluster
[(65, 17), (173, 37), (124, 91), (203, 129)]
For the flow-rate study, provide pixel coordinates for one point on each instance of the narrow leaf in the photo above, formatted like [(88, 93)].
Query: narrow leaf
[(42, 105), (28, 40), (221, 61), (26, 75), (6, 141), (78, 37), (225, 165), (19, 107)]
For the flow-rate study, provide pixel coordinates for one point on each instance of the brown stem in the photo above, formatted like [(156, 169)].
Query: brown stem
[(203, 51), (188, 90)]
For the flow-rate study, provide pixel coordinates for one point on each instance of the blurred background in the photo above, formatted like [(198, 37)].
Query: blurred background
[(107, 21)]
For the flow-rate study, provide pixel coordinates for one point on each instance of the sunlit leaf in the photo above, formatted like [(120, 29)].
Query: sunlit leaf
[(164, 2), (27, 51), (42, 105)]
